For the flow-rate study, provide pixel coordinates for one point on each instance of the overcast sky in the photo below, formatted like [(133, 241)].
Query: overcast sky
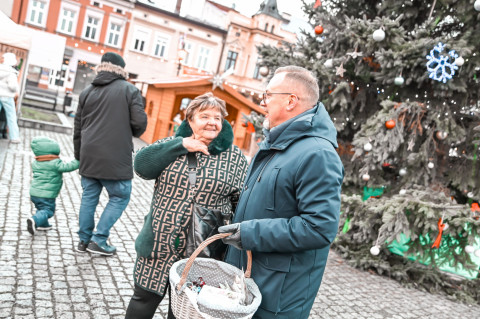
[(250, 7)]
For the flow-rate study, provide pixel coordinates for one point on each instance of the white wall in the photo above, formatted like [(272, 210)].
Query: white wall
[(6, 7)]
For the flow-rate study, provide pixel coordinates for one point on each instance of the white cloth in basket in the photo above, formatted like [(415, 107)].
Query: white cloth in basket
[(213, 273)]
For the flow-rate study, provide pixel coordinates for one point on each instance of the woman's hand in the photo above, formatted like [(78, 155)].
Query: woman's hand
[(193, 145)]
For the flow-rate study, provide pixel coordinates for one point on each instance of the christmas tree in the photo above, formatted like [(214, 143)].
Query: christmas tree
[(400, 81)]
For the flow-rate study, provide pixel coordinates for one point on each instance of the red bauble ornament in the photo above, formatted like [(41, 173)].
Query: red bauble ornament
[(390, 124), (318, 29)]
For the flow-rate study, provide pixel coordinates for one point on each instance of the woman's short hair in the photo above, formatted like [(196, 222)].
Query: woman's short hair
[(204, 102)]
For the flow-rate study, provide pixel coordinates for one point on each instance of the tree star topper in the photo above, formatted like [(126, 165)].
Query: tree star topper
[(441, 67), (217, 80)]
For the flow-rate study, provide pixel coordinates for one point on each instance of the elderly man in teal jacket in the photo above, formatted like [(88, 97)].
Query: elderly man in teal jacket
[(289, 209)]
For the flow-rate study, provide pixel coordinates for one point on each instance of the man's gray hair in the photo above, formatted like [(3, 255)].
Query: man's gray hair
[(306, 79)]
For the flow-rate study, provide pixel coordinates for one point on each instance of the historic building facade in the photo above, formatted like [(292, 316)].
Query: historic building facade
[(90, 28)]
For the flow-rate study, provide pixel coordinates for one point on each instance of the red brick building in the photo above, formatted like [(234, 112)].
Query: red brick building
[(90, 27)]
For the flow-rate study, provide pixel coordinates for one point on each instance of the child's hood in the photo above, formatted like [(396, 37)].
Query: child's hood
[(42, 145)]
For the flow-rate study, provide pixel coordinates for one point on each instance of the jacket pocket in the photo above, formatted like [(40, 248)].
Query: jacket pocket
[(145, 240), (269, 271), (272, 182)]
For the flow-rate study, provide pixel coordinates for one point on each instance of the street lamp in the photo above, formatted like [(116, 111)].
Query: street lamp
[(182, 54)]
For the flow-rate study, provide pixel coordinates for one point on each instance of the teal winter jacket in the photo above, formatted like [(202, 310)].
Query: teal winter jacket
[(47, 175), (289, 212)]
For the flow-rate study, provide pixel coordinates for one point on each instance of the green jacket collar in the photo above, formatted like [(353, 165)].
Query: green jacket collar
[(315, 122), (220, 144)]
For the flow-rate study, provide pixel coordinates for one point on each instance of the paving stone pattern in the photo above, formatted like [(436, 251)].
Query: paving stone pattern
[(42, 276)]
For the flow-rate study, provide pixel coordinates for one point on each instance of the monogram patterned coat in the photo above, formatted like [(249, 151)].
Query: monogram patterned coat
[(220, 177)]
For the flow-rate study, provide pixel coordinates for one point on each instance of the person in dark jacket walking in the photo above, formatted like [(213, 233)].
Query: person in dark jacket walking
[(288, 212), (110, 111), (47, 182)]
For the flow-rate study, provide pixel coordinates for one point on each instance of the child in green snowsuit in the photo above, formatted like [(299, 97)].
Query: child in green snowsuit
[(47, 181)]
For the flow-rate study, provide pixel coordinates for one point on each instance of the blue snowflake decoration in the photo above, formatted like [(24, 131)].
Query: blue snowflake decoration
[(441, 67)]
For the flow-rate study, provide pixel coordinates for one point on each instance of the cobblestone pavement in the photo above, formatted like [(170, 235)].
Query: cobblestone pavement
[(42, 277)]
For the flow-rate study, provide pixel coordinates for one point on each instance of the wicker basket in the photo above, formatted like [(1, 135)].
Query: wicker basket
[(213, 272)]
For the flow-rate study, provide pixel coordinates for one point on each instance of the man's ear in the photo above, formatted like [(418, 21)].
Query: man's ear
[(292, 102)]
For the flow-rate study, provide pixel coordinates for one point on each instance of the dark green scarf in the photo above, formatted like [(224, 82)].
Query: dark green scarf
[(220, 144)]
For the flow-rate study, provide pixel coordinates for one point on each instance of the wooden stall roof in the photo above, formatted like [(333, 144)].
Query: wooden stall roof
[(190, 82)]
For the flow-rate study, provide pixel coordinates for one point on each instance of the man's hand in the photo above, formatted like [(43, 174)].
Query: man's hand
[(234, 239), (193, 145)]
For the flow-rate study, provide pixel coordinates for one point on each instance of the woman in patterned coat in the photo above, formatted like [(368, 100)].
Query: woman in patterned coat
[(221, 169)]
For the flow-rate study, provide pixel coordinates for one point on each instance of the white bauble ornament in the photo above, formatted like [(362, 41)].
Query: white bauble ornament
[(264, 71), (441, 135), (470, 194), (402, 172), (402, 192), (319, 55), (328, 64), (476, 5), (459, 61), (366, 177), (367, 147), (375, 250), (469, 249), (378, 35), (445, 227), (430, 165), (477, 253), (399, 80)]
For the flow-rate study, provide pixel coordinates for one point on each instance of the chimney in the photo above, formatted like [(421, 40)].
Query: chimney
[(178, 6)]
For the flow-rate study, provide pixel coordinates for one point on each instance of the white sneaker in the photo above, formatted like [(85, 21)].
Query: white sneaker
[(17, 141)]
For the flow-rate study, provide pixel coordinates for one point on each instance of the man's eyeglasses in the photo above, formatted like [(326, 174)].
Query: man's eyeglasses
[(265, 95)]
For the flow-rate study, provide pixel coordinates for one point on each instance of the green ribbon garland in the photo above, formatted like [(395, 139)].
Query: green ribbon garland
[(346, 226)]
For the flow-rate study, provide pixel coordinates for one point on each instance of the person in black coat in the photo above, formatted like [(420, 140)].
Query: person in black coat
[(110, 112)]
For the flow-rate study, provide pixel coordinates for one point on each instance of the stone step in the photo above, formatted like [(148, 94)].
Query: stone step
[(65, 127)]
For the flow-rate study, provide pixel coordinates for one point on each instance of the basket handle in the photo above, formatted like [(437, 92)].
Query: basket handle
[(197, 251)]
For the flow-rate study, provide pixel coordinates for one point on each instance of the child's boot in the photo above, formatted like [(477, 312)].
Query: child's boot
[(31, 226)]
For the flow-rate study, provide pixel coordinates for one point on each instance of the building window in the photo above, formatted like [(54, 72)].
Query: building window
[(114, 33), (38, 12), (256, 72), (231, 60), (203, 61), (266, 27), (92, 28), (189, 56), (140, 40), (160, 46), (67, 21), (272, 29)]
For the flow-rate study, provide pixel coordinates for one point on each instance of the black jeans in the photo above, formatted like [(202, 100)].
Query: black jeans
[(144, 304)]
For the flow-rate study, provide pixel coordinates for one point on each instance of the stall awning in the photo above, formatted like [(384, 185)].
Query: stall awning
[(13, 34)]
